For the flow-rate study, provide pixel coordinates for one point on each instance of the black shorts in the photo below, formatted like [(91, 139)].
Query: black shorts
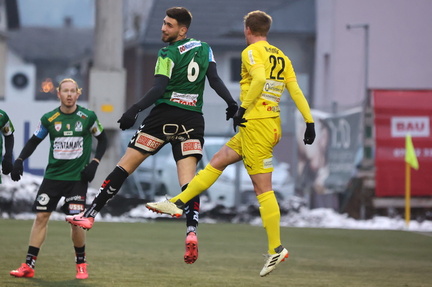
[(168, 124), (51, 191)]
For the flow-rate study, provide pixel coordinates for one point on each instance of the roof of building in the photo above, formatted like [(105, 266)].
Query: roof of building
[(220, 23), (43, 43)]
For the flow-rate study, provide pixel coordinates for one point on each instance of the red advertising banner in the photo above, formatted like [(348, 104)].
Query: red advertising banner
[(398, 113)]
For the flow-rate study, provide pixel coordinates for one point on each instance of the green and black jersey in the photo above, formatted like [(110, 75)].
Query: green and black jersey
[(185, 63), (70, 141), (6, 128)]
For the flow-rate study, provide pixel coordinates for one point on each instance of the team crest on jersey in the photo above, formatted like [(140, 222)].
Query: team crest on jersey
[(82, 115), (188, 46), (58, 126), (78, 126)]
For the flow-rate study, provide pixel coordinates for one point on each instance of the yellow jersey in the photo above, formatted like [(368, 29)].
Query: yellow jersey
[(266, 72)]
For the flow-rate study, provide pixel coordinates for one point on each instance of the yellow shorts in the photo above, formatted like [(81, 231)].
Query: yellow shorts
[(255, 144)]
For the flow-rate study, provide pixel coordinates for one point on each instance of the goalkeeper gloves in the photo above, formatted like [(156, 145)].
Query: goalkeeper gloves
[(238, 119), (128, 119), (88, 173), (309, 135), (7, 165), (17, 169), (231, 110)]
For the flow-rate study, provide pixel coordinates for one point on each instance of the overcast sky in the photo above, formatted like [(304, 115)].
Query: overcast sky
[(51, 13)]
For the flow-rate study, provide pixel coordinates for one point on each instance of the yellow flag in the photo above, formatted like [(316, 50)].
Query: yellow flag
[(410, 155)]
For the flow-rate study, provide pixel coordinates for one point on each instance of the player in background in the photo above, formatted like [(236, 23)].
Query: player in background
[(265, 72), (70, 128), (7, 130), (177, 92)]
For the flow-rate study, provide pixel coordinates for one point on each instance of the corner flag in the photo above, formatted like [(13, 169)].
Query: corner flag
[(410, 155), (411, 162)]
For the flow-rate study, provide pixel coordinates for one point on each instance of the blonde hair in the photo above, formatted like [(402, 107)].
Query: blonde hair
[(72, 81)]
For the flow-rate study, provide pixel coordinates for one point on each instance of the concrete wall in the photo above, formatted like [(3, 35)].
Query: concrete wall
[(400, 45), (3, 48)]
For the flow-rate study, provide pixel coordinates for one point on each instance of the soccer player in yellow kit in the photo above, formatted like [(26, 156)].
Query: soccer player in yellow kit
[(266, 72)]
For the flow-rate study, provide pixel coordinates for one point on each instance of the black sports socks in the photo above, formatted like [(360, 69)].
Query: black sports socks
[(191, 210), (80, 255), (31, 257), (108, 190)]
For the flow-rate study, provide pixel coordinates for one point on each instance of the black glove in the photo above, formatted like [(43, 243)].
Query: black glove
[(238, 119), (7, 165), (17, 170), (128, 119), (231, 110), (309, 135), (88, 173)]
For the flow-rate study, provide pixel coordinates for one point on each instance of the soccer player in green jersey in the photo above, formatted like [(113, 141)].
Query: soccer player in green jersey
[(266, 72), (7, 129), (177, 93), (70, 128)]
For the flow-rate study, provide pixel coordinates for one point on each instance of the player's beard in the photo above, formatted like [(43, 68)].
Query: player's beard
[(68, 103), (168, 38)]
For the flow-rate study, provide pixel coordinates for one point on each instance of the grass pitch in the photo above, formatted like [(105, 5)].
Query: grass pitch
[(151, 254)]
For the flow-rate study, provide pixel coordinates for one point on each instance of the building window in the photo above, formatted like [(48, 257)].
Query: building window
[(235, 67)]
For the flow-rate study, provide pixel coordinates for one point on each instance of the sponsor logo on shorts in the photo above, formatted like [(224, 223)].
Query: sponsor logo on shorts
[(43, 199), (191, 147), (75, 208), (74, 198), (147, 142), (268, 163), (175, 132)]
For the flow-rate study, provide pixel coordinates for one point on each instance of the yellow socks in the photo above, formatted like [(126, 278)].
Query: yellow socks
[(202, 180), (270, 215)]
